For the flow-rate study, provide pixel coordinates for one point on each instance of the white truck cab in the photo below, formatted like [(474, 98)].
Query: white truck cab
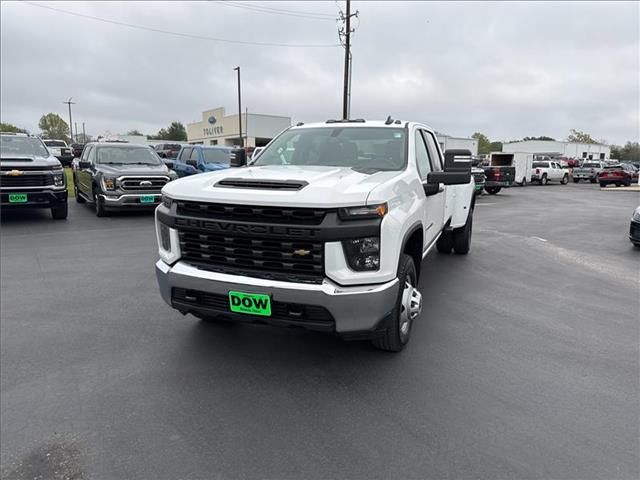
[(326, 229)]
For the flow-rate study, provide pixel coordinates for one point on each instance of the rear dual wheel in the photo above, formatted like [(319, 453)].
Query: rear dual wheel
[(492, 190)]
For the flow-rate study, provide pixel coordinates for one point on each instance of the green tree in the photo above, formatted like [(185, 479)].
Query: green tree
[(579, 137), (7, 127), (484, 144), (495, 147), (630, 152), (135, 131), (538, 138), (175, 132), (53, 126)]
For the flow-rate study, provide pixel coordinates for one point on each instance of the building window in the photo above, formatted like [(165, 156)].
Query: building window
[(602, 156), (584, 154), (213, 142), (590, 156)]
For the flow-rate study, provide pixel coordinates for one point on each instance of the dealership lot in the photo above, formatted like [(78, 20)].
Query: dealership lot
[(524, 363)]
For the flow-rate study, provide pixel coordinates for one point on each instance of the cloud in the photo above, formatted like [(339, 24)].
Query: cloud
[(507, 69)]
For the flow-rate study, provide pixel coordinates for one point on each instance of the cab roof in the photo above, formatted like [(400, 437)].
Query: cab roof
[(360, 123)]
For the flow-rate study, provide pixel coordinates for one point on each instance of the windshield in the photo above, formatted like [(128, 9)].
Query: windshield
[(55, 143), (540, 164), (127, 156), (356, 147), (19, 146), (216, 155)]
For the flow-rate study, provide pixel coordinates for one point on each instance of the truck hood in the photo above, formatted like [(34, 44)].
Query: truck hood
[(18, 161), (147, 170), (325, 186)]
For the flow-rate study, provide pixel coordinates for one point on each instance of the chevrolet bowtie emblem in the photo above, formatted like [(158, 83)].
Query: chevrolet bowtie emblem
[(14, 173), (301, 252)]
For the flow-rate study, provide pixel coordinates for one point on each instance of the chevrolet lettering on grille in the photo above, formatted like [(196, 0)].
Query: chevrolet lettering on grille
[(224, 227)]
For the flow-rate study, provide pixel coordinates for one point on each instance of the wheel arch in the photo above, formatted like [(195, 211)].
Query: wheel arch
[(413, 245)]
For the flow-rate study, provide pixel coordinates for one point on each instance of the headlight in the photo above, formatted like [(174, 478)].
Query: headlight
[(636, 215), (109, 183), (362, 253), (58, 179), (356, 213), (166, 201)]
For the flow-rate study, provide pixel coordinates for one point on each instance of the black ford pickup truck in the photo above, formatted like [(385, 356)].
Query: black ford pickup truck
[(119, 176), (30, 177)]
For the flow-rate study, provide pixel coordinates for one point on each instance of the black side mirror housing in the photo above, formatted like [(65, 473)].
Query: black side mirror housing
[(83, 164), (238, 157), (458, 160), (431, 188), (449, 178)]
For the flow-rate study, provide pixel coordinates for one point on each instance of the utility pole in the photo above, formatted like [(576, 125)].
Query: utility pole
[(246, 125), (239, 109), (75, 127), (347, 31), (69, 103), (84, 135)]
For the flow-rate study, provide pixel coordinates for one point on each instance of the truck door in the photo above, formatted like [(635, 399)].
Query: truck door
[(180, 165), (84, 174), (429, 161)]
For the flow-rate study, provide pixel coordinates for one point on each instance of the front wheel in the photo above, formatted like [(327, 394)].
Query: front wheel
[(594, 180), (60, 213), (603, 185), (492, 190), (407, 309), (576, 180), (99, 204), (565, 179)]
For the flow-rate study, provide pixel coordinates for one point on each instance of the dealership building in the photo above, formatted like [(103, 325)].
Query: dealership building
[(217, 128), (575, 150)]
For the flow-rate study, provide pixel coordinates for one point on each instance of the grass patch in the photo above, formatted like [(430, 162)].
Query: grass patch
[(69, 173)]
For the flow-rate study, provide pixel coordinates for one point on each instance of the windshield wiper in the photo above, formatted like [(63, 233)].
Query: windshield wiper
[(144, 163), (111, 163)]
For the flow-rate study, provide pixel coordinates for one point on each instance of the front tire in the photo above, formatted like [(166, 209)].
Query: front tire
[(594, 180), (60, 213), (407, 309), (565, 179), (492, 190), (576, 180), (462, 236), (603, 185), (99, 205)]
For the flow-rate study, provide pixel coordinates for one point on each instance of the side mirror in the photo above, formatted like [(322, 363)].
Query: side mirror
[(84, 164), (449, 178), (458, 160), (238, 157), (431, 188)]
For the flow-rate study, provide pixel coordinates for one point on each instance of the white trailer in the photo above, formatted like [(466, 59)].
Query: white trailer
[(520, 160)]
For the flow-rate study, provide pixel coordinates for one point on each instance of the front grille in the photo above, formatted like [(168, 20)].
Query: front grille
[(7, 181), (478, 178), (147, 184), (292, 313), (25, 168), (280, 215), (298, 260)]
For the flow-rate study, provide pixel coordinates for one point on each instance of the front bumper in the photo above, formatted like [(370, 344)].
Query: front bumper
[(357, 311), (46, 198), (130, 200), (634, 232)]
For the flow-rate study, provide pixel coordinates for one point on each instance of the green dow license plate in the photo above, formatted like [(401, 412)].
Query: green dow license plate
[(251, 303), (17, 198), (147, 198)]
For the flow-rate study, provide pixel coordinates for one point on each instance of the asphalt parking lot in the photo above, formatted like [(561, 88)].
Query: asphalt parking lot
[(524, 364)]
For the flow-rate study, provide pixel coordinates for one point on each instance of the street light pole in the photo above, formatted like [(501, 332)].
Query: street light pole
[(239, 109), (69, 103)]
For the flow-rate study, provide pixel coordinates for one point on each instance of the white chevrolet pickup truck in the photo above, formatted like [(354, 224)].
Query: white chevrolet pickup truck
[(326, 230)]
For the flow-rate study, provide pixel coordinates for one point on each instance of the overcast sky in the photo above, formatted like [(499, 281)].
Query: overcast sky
[(506, 69)]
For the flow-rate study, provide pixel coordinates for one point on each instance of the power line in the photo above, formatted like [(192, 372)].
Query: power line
[(180, 34), (291, 13)]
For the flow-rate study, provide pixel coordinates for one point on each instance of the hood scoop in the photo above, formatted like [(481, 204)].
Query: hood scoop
[(249, 183), (25, 159)]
